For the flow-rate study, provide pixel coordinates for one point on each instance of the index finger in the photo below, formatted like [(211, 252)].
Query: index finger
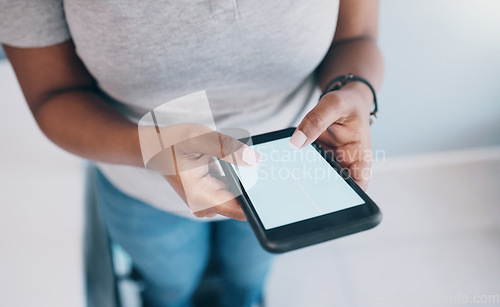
[(231, 209), (326, 112)]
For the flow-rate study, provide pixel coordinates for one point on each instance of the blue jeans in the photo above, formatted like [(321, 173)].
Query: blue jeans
[(171, 252)]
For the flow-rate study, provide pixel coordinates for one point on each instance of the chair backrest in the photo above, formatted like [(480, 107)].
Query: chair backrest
[(101, 278), (100, 283)]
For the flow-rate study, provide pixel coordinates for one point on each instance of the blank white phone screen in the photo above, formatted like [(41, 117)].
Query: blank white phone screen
[(290, 185)]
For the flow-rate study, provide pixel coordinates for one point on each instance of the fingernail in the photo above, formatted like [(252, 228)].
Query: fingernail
[(250, 156), (298, 139)]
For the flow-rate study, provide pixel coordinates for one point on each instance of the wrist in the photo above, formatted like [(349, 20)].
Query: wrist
[(359, 92), (132, 145), (342, 82)]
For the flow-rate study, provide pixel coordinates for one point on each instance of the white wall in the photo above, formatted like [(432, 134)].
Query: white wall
[(41, 198), (442, 81)]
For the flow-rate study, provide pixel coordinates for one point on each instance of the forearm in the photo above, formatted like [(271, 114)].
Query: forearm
[(359, 56), (82, 122), (68, 107)]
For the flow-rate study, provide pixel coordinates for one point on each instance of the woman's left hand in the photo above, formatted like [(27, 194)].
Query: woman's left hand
[(340, 123)]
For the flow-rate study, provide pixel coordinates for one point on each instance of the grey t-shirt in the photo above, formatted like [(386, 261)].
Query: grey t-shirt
[(255, 59)]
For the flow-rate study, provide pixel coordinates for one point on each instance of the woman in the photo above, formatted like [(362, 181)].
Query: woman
[(90, 69)]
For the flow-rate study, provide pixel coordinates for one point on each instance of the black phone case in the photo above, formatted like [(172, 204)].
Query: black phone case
[(304, 239)]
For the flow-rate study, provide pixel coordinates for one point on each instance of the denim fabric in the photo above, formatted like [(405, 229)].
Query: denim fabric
[(171, 252)]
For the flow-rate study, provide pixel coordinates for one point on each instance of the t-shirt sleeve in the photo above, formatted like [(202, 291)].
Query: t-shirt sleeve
[(32, 23)]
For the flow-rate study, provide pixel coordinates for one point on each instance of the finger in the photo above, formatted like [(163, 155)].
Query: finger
[(330, 150), (327, 140), (344, 155), (231, 209), (341, 135), (209, 193), (236, 152), (192, 186), (223, 201), (348, 154), (215, 170), (355, 159), (326, 112), (205, 213), (361, 172), (205, 195), (219, 145), (226, 204)]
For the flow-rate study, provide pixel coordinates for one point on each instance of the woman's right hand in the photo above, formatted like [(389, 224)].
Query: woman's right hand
[(187, 163)]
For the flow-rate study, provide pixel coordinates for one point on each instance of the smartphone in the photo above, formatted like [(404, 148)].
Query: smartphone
[(296, 198)]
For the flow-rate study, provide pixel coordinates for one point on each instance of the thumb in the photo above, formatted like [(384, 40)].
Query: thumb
[(315, 123), (221, 146)]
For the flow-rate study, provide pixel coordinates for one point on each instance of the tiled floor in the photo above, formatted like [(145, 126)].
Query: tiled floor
[(439, 241)]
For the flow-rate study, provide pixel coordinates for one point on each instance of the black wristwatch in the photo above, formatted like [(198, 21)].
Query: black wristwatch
[(338, 82)]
